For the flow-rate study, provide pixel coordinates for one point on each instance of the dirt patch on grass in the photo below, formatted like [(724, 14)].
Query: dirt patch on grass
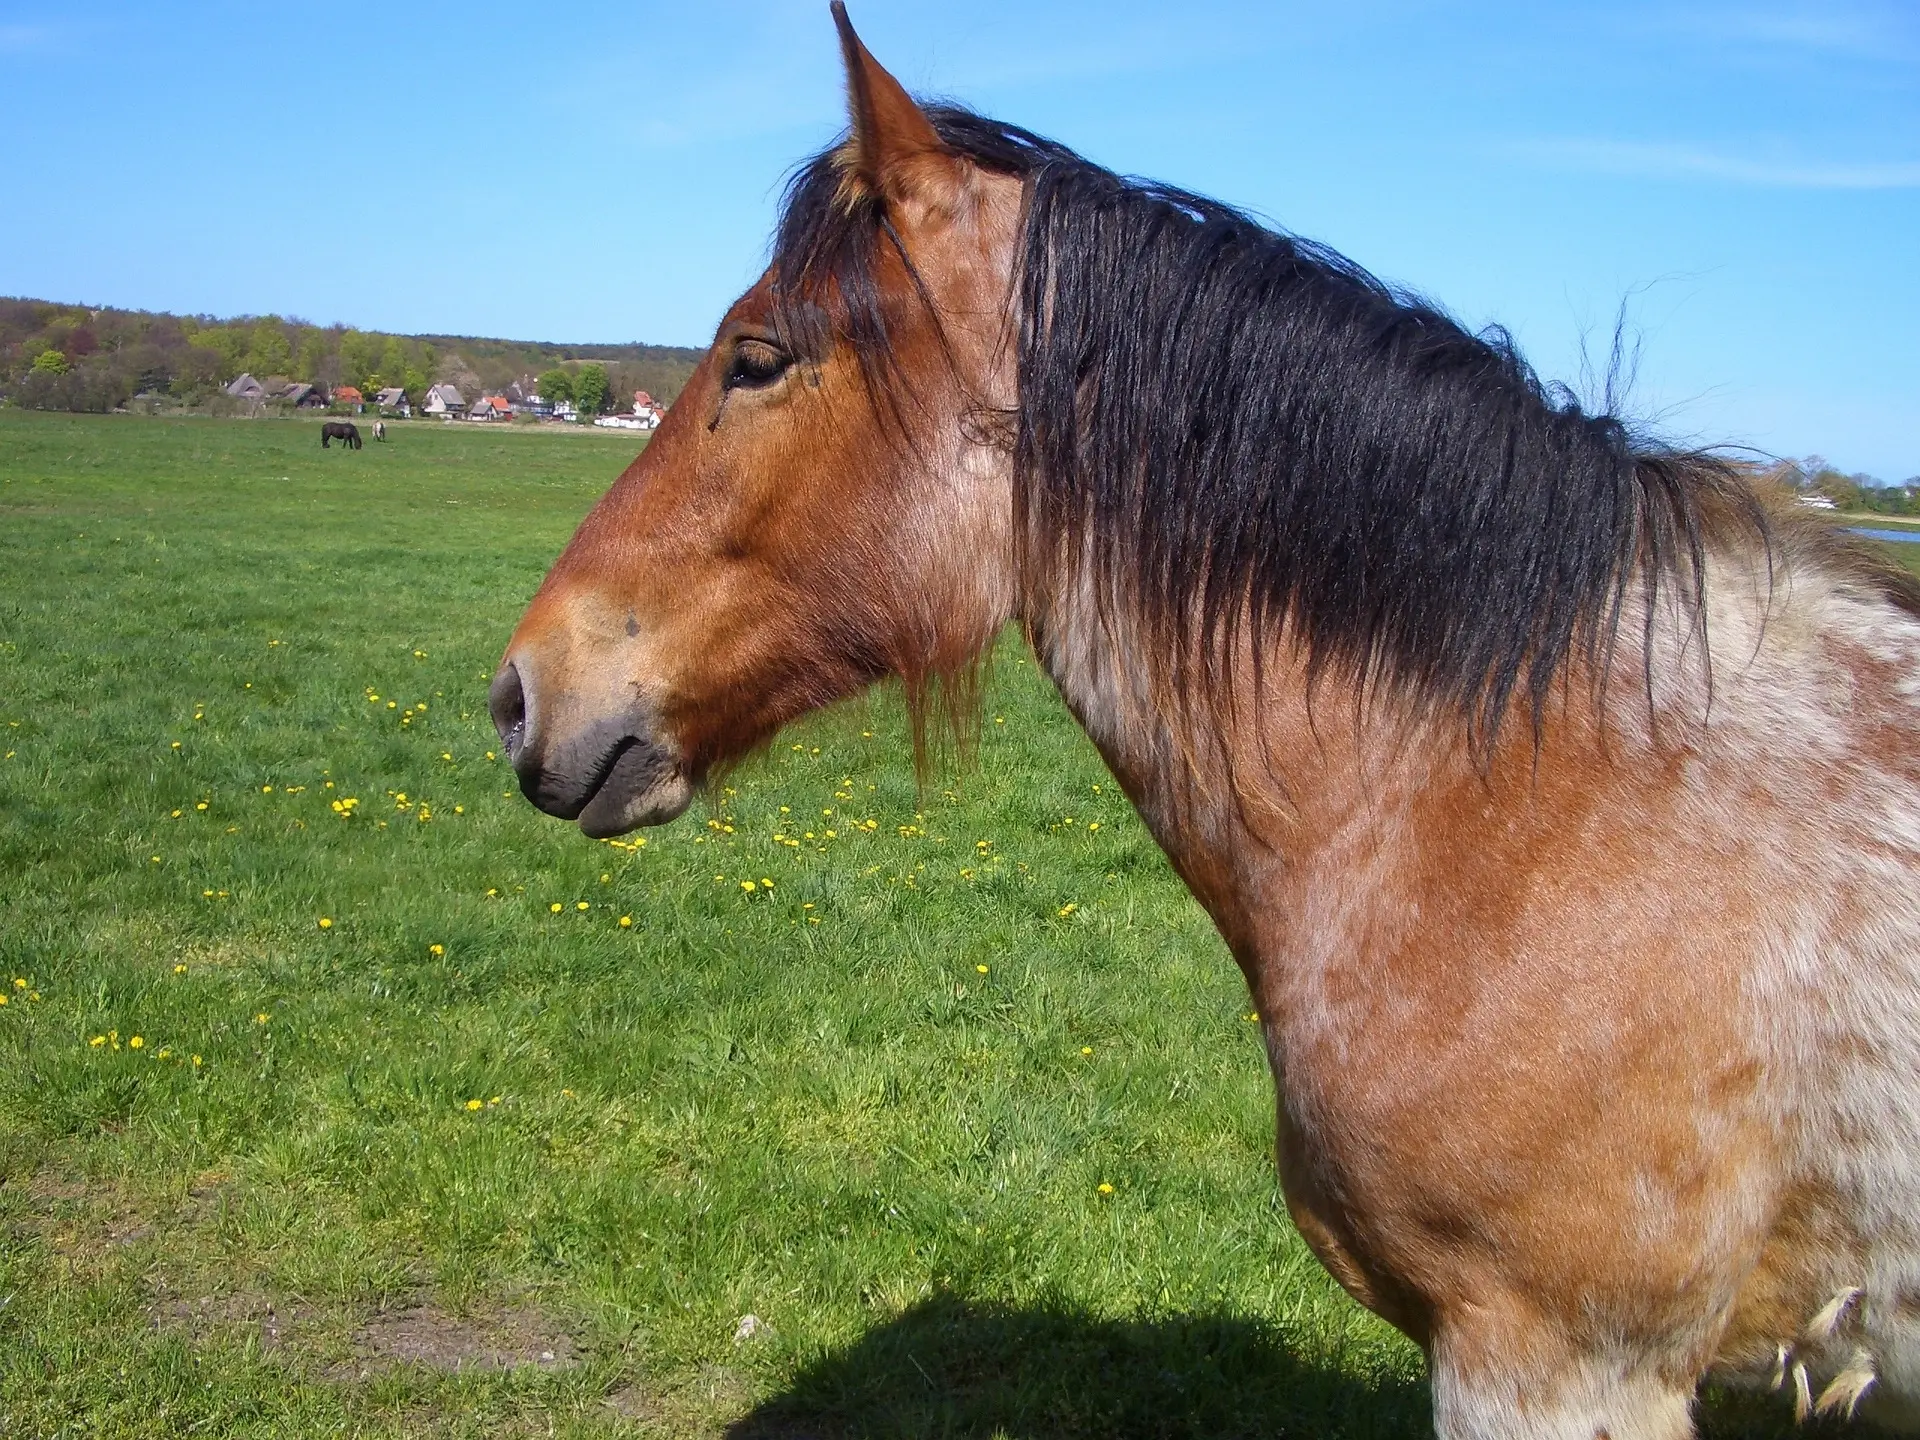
[(426, 1335), (274, 1322)]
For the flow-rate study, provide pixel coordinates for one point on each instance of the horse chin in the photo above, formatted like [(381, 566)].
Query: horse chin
[(629, 802)]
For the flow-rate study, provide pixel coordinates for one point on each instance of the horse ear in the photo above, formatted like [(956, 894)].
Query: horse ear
[(893, 151)]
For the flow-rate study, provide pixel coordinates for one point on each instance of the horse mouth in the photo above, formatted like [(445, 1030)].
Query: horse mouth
[(638, 783)]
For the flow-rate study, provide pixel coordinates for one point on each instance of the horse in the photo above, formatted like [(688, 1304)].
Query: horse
[(345, 431), (380, 430), (1557, 792)]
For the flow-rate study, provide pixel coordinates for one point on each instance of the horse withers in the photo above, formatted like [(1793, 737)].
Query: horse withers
[(347, 433), (1558, 796)]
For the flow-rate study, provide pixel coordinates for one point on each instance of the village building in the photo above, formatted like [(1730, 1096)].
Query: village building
[(245, 387), (349, 395), (491, 407), (302, 396), (647, 415), (445, 401), (393, 401)]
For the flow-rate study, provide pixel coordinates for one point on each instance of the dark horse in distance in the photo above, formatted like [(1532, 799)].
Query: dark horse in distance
[(1589, 966), (345, 432)]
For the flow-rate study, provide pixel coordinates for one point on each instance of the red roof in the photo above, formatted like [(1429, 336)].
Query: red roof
[(347, 393), (498, 402)]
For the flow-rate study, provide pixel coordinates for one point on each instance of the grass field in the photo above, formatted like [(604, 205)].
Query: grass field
[(343, 1094)]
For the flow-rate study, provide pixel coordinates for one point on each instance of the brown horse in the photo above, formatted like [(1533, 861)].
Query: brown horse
[(1559, 799), (345, 431)]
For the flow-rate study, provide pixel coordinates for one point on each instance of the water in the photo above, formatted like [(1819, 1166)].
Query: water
[(1902, 537)]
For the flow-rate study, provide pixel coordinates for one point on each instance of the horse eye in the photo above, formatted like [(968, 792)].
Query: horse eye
[(756, 363)]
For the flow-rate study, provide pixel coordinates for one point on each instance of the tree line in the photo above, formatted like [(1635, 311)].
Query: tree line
[(1858, 491), (75, 357)]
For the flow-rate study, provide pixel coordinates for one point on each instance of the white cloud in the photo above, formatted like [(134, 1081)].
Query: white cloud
[(1661, 160)]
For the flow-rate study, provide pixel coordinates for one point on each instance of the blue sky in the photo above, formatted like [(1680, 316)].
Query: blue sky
[(1744, 178)]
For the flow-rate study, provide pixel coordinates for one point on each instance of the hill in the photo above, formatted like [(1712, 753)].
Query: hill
[(56, 356)]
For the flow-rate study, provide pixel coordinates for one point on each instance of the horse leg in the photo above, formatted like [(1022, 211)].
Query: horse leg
[(1510, 1378)]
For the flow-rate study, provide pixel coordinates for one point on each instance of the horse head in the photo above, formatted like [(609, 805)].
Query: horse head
[(828, 502)]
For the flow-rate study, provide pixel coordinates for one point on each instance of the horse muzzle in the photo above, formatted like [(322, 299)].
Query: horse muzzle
[(608, 772)]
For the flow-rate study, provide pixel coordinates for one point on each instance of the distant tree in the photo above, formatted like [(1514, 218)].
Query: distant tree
[(50, 362), (227, 343), (555, 386), (314, 351), (359, 357), (590, 389), (393, 362)]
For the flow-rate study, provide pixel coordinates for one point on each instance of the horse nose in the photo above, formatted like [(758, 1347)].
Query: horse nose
[(507, 703)]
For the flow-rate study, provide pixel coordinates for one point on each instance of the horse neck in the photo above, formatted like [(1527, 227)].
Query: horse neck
[(1234, 793)]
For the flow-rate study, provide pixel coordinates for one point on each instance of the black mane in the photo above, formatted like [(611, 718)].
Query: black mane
[(1238, 429)]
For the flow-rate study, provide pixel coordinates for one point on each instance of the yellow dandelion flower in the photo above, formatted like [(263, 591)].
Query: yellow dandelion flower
[(436, 949), (476, 1104), (1104, 1188), (325, 923), (174, 816), (555, 907), (459, 809), (489, 754), (262, 1018), (266, 789), (626, 921), (196, 1061), (135, 1043), (163, 1054), (97, 1041), (766, 882), (583, 906), (179, 969), (1068, 909), (494, 1101), (18, 983), (1094, 826), (746, 885), (981, 968), (176, 744), (1086, 1049), (493, 892)]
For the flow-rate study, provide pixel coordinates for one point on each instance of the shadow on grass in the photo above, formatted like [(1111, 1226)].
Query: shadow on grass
[(960, 1369)]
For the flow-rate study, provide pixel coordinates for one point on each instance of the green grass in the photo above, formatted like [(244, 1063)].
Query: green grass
[(872, 1105)]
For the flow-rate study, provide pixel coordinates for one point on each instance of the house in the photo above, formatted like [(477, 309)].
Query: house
[(349, 395), (563, 410), (626, 422), (303, 396), (393, 401), (445, 401), (491, 407), (247, 388), (523, 398)]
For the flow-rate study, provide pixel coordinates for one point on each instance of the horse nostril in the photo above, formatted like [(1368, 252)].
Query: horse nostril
[(507, 702)]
